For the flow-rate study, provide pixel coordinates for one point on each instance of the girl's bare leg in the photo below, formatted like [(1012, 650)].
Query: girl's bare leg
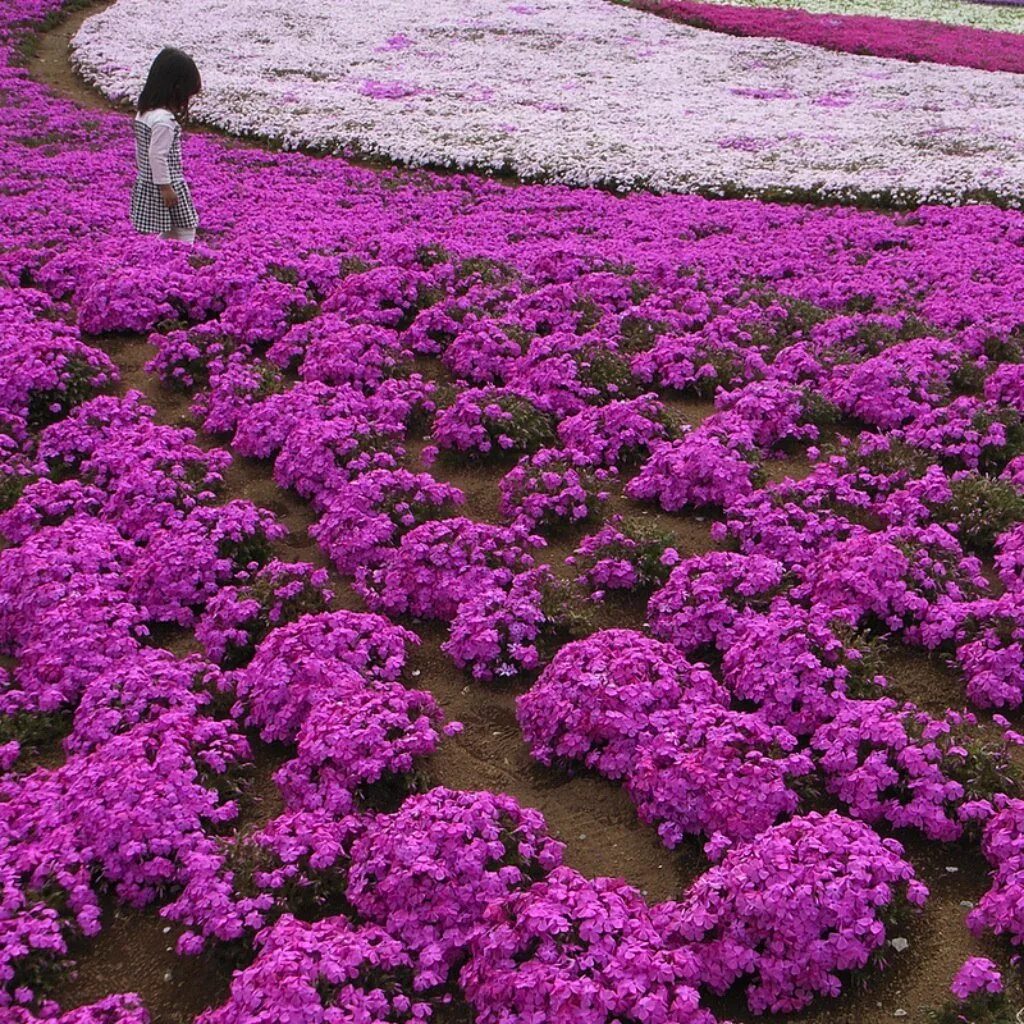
[(186, 235)]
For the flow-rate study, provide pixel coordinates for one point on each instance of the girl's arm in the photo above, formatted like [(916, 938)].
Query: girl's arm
[(160, 139)]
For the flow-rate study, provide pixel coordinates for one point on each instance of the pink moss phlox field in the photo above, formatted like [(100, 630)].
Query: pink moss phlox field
[(502, 630), (797, 670), (1000, 909), (899, 38), (120, 1009), (185, 563), (297, 860), (552, 488), (438, 565), (365, 334), (623, 555), (355, 737), (990, 650)]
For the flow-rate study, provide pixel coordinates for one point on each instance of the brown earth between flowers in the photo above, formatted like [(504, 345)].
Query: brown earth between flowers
[(593, 817)]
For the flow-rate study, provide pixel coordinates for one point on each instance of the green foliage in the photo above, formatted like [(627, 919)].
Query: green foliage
[(607, 372), (640, 333), (46, 407), (981, 1008), (982, 507), (994, 458), (12, 486)]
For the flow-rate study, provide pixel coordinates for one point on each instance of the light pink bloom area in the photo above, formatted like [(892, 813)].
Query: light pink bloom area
[(434, 597), (583, 92)]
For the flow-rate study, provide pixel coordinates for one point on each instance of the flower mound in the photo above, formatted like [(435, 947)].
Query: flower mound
[(594, 703), (899, 764), (710, 771), (795, 908), (308, 971), (572, 950), (318, 655), (1001, 909), (428, 872), (703, 598)]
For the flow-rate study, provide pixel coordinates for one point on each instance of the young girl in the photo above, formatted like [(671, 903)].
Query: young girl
[(161, 201)]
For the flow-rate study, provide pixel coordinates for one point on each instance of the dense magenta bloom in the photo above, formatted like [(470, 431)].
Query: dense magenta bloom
[(299, 664), (625, 554), (896, 763), (978, 974), (704, 769), (795, 908), (597, 699), (140, 688), (990, 649), (551, 488), (502, 630), (298, 860), (620, 433), (238, 617), (436, 566), (798, 671), (498, 421), (1001, 909), (186, 563), (697, 471), (357, 735), (367, 516), (893, 580), (121, 1009), (572, 950), (703, 598), (304, 969), (428, 872)]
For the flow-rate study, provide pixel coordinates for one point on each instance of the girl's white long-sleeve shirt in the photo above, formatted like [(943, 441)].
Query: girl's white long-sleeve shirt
[(161, 125)]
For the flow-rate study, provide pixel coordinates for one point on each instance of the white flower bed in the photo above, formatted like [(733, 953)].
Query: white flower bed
[(578, 91)]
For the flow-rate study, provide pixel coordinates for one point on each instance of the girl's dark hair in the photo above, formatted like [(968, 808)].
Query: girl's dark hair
[(172, 81)]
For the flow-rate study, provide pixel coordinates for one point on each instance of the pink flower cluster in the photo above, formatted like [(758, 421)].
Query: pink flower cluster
[(237, 618), (898, 38)]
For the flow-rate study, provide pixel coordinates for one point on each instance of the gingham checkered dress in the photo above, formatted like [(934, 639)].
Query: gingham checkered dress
[(149, 214)]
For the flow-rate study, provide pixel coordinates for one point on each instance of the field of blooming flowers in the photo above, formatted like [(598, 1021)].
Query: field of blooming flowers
[(656, 653)]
